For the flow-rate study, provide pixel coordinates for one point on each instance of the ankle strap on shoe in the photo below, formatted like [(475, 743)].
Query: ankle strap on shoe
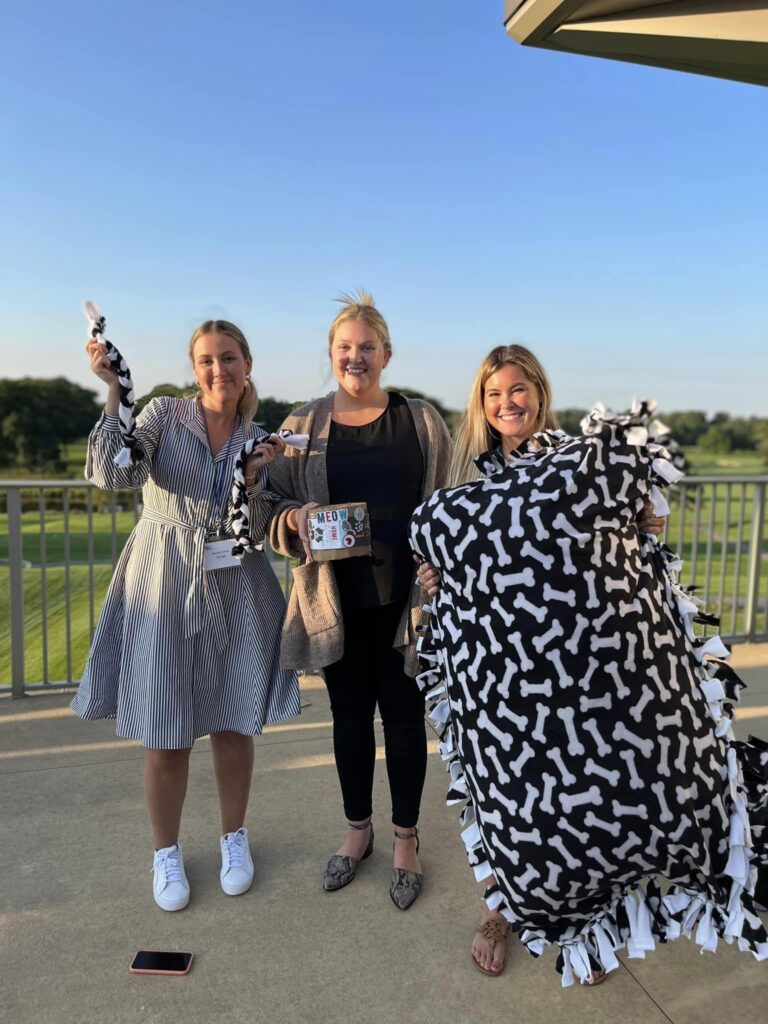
[(407, 835), (360, 828)]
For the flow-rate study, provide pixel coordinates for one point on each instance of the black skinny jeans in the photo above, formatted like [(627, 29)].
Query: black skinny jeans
[(370, 673)]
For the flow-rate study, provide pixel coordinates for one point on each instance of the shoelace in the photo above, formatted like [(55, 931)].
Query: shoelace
[(169, 865), (235, 847)]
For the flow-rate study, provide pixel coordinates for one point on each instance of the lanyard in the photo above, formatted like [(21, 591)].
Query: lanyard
[(219, 478)]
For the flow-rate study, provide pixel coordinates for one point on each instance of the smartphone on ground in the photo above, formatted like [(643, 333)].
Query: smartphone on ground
[(155, 961)]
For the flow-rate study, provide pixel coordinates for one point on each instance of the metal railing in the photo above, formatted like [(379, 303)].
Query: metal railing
[(60, 541)]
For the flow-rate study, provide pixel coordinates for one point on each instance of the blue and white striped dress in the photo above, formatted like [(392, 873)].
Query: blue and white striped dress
[(180, 652)]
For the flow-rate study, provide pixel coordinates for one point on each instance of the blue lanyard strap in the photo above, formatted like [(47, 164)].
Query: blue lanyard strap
[(220, 471)]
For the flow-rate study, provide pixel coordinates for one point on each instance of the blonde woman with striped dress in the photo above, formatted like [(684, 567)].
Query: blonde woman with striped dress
[(184, 649)]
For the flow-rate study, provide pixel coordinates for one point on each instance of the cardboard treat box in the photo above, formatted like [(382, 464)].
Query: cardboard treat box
[(339, 531)]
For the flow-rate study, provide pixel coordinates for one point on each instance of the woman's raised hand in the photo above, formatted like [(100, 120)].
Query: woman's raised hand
[(100, 364)]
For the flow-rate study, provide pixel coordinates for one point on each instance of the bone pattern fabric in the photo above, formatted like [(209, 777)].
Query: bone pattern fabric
[(587, 733)]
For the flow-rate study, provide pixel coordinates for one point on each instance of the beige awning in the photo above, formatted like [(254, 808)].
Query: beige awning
[(708, 37)]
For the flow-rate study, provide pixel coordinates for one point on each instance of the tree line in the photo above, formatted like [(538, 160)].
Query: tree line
[(39, 417)]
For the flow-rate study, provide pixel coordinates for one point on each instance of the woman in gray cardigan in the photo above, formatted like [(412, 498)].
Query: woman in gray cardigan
[(357, 618)]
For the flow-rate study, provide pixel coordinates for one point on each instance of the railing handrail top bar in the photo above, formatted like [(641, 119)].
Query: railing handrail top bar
[(16, 485), (722, 479), (27, 485)]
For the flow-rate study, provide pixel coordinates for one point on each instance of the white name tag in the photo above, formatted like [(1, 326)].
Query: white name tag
[(218, 554)]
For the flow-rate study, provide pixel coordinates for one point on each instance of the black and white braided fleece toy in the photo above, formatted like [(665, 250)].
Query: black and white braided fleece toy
[(241, 519), (131, 452)]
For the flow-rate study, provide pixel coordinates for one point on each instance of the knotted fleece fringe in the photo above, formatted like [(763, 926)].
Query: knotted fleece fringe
[(130, 453), (637, 915)]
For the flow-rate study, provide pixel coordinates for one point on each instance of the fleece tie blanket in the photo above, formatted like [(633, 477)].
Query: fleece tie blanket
[(586, 729)]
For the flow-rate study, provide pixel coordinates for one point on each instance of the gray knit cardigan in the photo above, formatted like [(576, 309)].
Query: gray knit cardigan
[(313, 633)]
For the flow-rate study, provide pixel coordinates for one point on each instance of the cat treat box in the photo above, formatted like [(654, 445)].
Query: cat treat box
[(339, 531)]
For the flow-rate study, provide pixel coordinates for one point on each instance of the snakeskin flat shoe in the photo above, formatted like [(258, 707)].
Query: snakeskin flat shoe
[(405, 885), (340, 869)]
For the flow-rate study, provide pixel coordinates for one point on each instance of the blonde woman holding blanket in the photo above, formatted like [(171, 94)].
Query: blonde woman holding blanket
[(586, 726), (357, 618), (187, 643), (510, 400)]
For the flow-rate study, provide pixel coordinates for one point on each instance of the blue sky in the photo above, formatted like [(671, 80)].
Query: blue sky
[(250, 160)]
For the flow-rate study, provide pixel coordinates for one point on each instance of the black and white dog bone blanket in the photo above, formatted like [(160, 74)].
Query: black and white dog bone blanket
[(586, 729)]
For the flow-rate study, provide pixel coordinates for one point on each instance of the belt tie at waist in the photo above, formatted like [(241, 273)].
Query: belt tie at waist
[(203, 597)]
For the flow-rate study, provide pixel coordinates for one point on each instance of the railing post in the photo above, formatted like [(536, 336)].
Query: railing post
[(15, 566), (755, 558)]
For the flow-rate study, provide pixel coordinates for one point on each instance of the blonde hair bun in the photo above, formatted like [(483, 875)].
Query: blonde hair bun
[(360, 305)]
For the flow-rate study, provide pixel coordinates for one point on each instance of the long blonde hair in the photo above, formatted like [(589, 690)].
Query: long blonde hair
[(249, 400), (360, 305), (474, 436)]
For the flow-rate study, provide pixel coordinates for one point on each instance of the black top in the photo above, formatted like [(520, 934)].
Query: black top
[(381, 464)]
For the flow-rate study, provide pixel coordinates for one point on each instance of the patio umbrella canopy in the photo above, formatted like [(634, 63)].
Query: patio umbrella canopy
[(708, 37)]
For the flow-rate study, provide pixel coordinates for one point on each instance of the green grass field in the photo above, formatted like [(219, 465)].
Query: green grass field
[(70, 537), (734, 464), (65, 543), (713, 537), (58, 627), (48, 623)]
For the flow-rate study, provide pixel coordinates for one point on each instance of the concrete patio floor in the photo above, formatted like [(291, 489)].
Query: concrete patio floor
[(76, 900)]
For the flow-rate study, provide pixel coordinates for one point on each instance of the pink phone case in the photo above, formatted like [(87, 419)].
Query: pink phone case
[(174, 974)]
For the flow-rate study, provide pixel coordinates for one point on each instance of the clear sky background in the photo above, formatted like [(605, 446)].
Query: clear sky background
[(249, 160)]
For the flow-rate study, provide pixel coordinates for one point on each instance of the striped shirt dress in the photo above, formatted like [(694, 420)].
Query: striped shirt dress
[(180, 651)]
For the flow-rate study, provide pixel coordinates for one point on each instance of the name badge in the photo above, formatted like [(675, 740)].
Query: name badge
[(218, 554)]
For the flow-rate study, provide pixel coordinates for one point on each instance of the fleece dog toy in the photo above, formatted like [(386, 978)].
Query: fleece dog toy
[(240, 512), (131, 452)]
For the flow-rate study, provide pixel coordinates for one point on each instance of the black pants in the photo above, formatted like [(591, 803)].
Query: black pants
[(371, 673)]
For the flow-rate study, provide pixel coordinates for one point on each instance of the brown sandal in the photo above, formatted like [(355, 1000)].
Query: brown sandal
[(597, 978), (493, 931)]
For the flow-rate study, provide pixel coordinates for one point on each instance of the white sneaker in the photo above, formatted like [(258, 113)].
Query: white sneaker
[(169, 884), (236, 863)]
